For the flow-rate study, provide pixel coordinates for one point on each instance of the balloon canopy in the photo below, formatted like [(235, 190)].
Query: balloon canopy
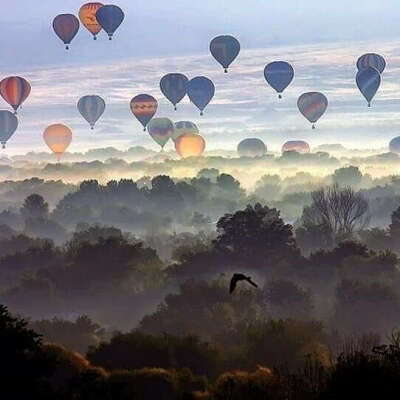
[(160, 129), (313, 106), (8, 126), (58, 137), (200, 90), (190, 145), (225, 49), (394, 145), (368, 81), (173, 87), (66, 26), (15, 90), (371, 60), (87, 15), (184, 127), (279, 75), (110, 17), (251, 147), (144, 107), (91, 108), (296, 145)]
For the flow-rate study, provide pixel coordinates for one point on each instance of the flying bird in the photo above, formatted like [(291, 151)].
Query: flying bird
[(237, 278)]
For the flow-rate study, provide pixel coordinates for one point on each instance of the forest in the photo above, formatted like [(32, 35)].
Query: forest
[(119, 289)]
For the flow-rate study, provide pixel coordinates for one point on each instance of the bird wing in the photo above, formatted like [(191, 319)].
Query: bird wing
[(233, 284), (251, 282)]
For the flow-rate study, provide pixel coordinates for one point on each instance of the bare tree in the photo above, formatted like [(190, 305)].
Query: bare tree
[(340, 211)]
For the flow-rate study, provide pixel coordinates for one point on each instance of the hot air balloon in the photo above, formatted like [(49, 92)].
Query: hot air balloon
[(279, 75), (368, 81), (394, 145), (183, 128), (66, 26), (15, 91), (91, 108), (190, 145), (110, 17), (173, 87), (371, 60), (296, 145), (58, 137), (87, 15), (8, 125), (251, 147), (200, 91), (312, 105), (161, 129), (143, 107), (225, 49)]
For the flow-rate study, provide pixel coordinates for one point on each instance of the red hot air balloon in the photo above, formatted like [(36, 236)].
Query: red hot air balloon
[(296, 145), (15, 91), (66, 26)]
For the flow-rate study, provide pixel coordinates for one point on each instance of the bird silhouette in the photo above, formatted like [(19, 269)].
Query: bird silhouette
[(237, 278)]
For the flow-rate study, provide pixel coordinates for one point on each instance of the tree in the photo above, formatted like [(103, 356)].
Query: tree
[(255, 237), (347, 176), (336, 212), (35, 207), (394, 230)]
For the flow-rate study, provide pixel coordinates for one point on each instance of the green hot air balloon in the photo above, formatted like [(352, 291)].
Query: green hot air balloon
[(184, 128), (161, 129)]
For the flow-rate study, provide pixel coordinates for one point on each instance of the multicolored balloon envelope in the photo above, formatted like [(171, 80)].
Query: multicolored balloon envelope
[(183, 128), (91, 108), (144, 107), (313, 106), (58, 137), (66, 26), (251, 147), (368, 81), (394, 145), (160, 129), (173, 87), (15, 90), (225, 49), (200, 90), (296, 145), (87, 15), (110, 17), (279, 75), (371, 60), (8, 125), (190, 145)]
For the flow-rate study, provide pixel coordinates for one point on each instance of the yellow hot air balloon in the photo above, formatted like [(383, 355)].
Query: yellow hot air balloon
[(58, 137), (190, 145), (87, 15)]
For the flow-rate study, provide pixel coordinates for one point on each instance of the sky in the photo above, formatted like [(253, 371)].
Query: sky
[(321, 39)]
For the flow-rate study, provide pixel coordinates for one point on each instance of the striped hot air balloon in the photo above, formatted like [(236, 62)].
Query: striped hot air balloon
[(161, 129), (15, 90), (144, 107), (313, 106), (296, 145)]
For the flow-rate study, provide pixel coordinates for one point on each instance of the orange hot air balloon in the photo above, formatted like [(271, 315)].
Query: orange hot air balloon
[(15, 91), (87, 15), (58, 137), (190, 145)]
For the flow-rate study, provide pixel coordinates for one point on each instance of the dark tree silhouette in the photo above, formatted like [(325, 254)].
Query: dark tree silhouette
[(35, 207)]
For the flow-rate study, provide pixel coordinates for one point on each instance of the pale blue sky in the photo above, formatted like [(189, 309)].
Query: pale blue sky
[(322, 39)]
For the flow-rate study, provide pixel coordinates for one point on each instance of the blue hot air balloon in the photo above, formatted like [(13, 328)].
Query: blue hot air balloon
[(394, 145), (279, 75), (8, 125), (200, 91), (371, 60), (91, 108), (225, 49), (110, 17), (368, 81), (173, 87)]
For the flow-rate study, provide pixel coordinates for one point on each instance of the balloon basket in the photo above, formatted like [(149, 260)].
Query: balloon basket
[(226, 70), (313, 126), (279, 96)]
